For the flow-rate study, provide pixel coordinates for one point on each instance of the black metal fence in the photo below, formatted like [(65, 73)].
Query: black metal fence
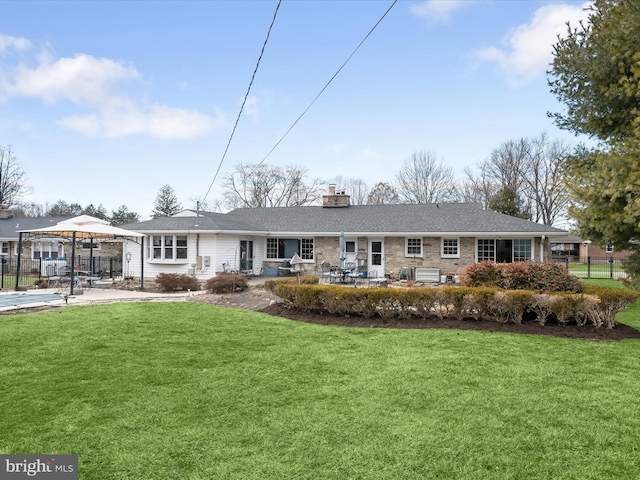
[(31, 270), (595, 267)]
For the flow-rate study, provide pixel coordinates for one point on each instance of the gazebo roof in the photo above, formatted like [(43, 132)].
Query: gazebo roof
[(84, 227)]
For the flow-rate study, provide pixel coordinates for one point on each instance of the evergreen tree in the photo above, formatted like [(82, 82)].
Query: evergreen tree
[(166, 203), (122, 216)]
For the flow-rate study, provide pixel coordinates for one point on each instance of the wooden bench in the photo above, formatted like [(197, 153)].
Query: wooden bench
[(427, 275)]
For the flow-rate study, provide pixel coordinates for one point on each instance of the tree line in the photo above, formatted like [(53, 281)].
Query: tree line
[(521, 178)]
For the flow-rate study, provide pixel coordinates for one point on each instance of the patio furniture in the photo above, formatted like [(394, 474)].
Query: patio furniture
[(358, 275), (326, 271), (375, 280), (285, 268)]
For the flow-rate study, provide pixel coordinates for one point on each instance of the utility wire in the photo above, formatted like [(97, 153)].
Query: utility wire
[(264, 45), (326, 85)]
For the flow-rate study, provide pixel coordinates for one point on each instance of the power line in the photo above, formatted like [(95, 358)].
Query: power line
[(326, 85), (244, 101)]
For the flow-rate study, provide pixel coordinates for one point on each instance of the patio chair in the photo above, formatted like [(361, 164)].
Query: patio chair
[(326, 271), (358, 274), (375, 280), (285, 268)]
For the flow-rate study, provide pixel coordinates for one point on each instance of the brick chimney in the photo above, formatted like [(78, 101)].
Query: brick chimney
[(335, 198)]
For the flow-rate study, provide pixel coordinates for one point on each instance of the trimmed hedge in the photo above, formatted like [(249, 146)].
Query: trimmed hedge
[(536, 276), (598, 307), (304, 280)]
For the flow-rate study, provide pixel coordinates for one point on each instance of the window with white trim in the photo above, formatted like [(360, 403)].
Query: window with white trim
[(5, 248), (609, 248), (284, 248), (450, 248), (504, 250), (413, 247), (44, 249), (167, 247)]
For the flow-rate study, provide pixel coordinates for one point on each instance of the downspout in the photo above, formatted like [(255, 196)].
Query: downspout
[(542, 248), (19, 257)]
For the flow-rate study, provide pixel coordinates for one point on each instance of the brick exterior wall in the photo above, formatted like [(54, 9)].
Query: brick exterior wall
[(327, 249)]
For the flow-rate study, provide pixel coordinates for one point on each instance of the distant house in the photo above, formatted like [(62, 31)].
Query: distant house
[(576, 249), (385, 238), (51, 248)]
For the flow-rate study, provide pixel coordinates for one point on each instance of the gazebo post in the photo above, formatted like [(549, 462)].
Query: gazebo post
[(90, 257), (73, 261), (142, 263), (19, 257)]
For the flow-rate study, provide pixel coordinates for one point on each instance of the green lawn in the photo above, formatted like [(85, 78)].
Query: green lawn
[(195, 391)]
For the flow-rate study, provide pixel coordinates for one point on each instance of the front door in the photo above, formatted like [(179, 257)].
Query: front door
[(376, 256), (246, 255)]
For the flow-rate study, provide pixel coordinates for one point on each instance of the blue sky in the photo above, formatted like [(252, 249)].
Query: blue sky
[(105, 102)]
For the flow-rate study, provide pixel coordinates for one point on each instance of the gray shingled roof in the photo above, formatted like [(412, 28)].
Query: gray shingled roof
[(9, 227), (431, 218), (208, 221)]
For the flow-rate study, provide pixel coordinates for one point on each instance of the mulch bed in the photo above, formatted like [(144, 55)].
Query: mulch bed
[(620, 332)]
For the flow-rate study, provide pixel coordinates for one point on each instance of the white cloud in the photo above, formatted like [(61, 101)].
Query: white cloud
[(251, 107), (527, 49), (436, 10), (17, 43), (83, 80), (94, 84), (124, 118)]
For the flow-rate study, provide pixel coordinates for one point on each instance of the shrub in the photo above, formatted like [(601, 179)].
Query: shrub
[(169, 282), (611, 302), (459, 302), (536, 276), (304, 280), (483, 274), (477, 302), (541, 307), (510, 305), (225, 282), (41, 283)]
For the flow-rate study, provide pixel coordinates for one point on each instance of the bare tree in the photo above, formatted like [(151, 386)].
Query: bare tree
[(508, 162), (356, 188), (543, 177), (383, 193), (530, 168), (478, 188), (29, 210), (12, 178), (422, 179), (262, 185)]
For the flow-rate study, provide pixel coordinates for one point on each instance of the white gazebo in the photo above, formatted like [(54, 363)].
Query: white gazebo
[(83, 227)]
